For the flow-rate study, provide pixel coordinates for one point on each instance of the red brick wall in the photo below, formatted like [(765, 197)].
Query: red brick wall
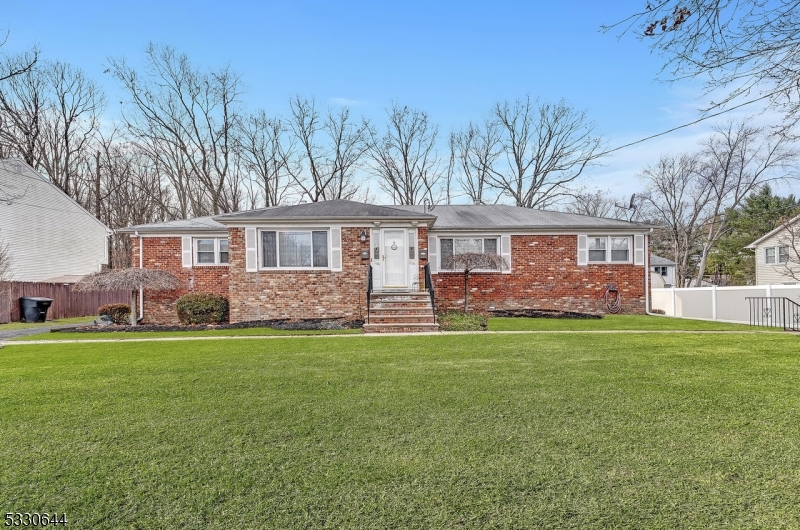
[(544, 275), (164, 253), (299, 294)]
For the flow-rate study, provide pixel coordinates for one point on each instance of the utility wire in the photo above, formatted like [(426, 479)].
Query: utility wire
[(685, 125)]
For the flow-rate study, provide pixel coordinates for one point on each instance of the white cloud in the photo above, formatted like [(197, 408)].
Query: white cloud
[(345, 102)]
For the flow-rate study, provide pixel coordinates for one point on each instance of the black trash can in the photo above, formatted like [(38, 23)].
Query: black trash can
[(34, 308)]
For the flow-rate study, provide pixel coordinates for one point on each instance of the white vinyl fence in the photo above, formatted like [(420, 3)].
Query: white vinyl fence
[(726, 304)]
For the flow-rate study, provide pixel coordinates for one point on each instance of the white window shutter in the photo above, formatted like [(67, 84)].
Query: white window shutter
[(251, 250), (505, 252), (336, 249), (433, 260), (186, 251), (638, 250), (583, 250)]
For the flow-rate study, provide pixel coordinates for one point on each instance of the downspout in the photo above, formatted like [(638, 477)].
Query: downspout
[(141, 266)]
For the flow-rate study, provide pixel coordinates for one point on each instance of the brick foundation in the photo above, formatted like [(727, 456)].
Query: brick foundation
[(544, 275)]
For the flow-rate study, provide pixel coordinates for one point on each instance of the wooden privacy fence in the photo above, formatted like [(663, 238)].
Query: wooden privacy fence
[(66, 302)]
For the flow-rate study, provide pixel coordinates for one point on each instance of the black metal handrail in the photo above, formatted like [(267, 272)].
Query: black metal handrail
[(429, 288), (369, 288), (774, 312)]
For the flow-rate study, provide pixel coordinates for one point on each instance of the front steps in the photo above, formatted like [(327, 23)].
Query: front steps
[(400, 312)]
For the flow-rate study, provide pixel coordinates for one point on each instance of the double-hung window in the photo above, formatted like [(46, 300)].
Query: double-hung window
[(294, 249), (609, 249), (773, 255), (453, 246), (211, 251)]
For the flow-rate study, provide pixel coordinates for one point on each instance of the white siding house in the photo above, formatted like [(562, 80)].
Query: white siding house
[(48, 234), (776, 257), (665, 269)]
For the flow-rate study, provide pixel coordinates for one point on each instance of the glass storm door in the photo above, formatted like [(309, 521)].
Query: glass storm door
[(395, 258)]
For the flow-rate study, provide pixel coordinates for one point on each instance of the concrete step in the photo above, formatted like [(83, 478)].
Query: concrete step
[(400, 305), (401, 319), (395, 310), (400, 328)]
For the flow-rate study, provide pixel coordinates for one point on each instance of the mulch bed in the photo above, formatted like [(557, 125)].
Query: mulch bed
[(284, 323), (542, 313)]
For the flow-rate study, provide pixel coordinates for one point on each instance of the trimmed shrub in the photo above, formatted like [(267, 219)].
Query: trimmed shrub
[(202, 308), (118, 313), (460, 321)]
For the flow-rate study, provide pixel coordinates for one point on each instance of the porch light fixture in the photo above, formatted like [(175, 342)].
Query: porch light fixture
[(376, 223), (363, 236), (414, 223)]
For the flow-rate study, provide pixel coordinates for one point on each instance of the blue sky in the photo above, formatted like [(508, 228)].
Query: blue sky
[(452, 59)]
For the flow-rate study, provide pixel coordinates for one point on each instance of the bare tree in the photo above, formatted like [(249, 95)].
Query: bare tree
[(129, 279), (545, 147), (404, 159), (23, 103), (737, 160), (266, 152), (676, 197), (330, 150), (789, 242), (6, 259), (191, 114), (595, 203), (749, 49), (71, 121), (473, 153), (471, 261)]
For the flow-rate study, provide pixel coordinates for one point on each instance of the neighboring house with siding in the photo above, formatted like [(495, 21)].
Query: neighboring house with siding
[(665, 269), (314, 260), (776, 254), (50, 236)]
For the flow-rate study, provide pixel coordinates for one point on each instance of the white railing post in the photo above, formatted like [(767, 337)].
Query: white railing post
[(673, 301), (713, 302)]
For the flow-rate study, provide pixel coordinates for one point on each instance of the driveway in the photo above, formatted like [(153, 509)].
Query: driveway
[(35, 330)]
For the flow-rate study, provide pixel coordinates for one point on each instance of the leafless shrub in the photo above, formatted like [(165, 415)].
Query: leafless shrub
[(472, 261)]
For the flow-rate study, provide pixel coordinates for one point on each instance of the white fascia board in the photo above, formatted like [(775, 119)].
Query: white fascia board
[(532, 232), (182, 234)]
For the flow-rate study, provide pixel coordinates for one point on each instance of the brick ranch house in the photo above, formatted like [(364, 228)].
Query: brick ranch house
[(312, 261)]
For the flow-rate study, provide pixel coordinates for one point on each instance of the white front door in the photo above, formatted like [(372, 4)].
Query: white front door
[(395, 258)]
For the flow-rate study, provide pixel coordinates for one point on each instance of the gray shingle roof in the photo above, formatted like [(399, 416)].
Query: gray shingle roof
[(501, 216), (198, 224), (442, 217), (658, 260), (326, 210)]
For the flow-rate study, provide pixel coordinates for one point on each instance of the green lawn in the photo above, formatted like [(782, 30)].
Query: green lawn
[(61, 322), (612, 322), (472, 431), (609, 323)]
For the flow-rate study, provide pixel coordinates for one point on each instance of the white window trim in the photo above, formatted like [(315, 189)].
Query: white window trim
[(608, 259), (259, 246), (217, 262), (777, 257), (465, 236)]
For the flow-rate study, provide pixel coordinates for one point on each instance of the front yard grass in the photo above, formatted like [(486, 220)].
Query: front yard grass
[(614, 322), (472, 431)]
